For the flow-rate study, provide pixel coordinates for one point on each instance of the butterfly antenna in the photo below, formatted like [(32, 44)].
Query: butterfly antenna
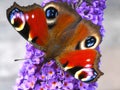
[(20, 59)]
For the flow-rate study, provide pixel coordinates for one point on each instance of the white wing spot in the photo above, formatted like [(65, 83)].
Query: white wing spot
[(27, 17), (88, 60), (33, 16), (88, 66)]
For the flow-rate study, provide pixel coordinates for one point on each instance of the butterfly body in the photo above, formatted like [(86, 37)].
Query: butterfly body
[(62, 34)]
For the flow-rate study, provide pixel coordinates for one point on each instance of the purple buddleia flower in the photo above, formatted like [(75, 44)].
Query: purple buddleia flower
[(34, 76)]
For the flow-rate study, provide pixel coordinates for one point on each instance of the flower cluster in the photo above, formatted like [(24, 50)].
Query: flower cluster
[(34, 76)]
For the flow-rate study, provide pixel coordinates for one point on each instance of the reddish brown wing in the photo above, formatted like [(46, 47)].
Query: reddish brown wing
[(80, 57), (30, 22)]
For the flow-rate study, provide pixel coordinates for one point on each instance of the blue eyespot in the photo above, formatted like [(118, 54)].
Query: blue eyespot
[(51, 13), (86, 74), (17, 19), (90, 41)]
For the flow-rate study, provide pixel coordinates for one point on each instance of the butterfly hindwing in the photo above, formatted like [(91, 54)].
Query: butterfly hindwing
[(80, 57)]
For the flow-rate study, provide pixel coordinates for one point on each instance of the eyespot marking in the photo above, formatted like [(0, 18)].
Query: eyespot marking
[(17, 19)]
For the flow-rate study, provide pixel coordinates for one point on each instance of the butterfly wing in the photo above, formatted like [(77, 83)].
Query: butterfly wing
[(83, 61), (30, 22)]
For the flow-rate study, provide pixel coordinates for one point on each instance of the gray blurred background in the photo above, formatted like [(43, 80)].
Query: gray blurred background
[(12, 46)]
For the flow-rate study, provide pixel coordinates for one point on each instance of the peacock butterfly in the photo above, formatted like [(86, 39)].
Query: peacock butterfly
[(63, 35)]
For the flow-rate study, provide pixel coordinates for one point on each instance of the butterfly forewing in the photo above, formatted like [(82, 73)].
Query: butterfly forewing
[(30, 22)]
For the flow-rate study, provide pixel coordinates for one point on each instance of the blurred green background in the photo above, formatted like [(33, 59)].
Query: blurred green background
[(12, 46)]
